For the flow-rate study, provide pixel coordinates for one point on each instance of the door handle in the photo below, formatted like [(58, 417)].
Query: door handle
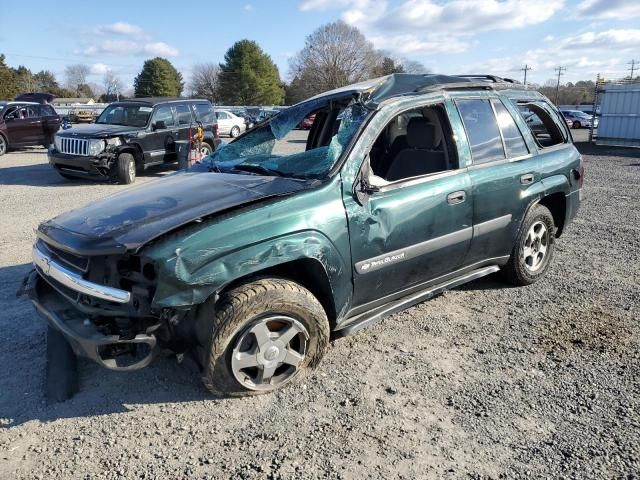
[(456, 197), (526, 179)]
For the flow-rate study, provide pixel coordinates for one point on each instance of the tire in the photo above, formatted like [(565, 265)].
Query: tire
[(240, 352), (532, 254), (577, 125), (205, 149), (4, 145), (61, 369), (126, 168), (235, 131)]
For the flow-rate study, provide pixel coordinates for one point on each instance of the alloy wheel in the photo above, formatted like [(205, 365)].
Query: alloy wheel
[(3, 145), (535, 246), (269, 353)]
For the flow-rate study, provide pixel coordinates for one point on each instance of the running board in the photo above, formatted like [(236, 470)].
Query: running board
[(375, 315)]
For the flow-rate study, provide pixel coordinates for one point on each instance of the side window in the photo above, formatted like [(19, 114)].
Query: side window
[(544, 128), (47, 111), (414, 143), (184, 116), (163, 113), (204, 113), (513, 140), (482, 130)]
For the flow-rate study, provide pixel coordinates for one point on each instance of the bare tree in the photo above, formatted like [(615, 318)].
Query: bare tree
[(412, 66), (205, 81), (112, 86), (76, 76), (334, 55)]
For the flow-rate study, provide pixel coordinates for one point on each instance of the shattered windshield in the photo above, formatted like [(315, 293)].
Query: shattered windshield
[(281, 147)]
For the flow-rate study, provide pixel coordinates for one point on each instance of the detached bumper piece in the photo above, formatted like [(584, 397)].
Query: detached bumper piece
[(111, 351)]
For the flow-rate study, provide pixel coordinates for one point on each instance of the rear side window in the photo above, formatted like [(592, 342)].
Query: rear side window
[(184, 116), (513, 140), (544, 128), (204, 112), (482, 130), (47, 111)]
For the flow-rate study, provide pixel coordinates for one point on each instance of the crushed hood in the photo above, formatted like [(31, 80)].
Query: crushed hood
[(128, 220)]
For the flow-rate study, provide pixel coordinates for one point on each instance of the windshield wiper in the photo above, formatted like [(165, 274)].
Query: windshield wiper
[(253, 168)]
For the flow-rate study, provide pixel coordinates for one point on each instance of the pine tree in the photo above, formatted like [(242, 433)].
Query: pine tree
[(158, 78)]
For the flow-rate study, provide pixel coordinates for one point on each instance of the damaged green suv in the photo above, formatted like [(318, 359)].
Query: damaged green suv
[(251, 261)]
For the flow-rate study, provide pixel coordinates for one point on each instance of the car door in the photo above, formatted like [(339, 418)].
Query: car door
[(163, 135), (502, 169), (408, 231), (24, 126), (184, 120), (50, 123), (224, 122)]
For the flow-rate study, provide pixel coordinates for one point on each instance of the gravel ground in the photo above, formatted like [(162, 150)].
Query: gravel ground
[(484, 381)]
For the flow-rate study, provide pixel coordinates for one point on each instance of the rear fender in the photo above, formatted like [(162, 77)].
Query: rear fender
[(542, 189)]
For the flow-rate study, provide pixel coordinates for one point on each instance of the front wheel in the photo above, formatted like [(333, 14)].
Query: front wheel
[(235, 131), (532, 254), (126, 168), (263, 335)]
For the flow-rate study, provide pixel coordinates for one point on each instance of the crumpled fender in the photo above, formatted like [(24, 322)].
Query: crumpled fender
[(203, 259)]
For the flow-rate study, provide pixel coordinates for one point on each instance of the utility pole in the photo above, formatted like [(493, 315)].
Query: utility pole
[(633, 64), (525, 70), (559, 70)]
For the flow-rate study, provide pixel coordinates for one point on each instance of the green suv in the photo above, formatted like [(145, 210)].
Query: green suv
[(404, 186)]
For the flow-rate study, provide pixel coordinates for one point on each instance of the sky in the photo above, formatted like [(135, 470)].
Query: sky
[(459, 36)]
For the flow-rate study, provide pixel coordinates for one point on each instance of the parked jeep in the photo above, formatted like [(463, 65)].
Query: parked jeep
[(130, 136), (407, 185)]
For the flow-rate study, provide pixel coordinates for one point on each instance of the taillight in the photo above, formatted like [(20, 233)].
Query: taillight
[(214, 129)]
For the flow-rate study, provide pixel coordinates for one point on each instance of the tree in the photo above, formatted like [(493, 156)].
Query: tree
[(76, 76), (24, 79), (158, 78), (205, 81), (387, 66), (333, 56), (45, 81), (249, 76), (8, 82), (112, 87)]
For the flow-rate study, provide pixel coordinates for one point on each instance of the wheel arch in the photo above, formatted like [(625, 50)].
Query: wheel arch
[(551, 192), (136, 151)]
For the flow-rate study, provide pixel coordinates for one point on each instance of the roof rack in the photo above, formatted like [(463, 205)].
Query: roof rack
[(489, 78)]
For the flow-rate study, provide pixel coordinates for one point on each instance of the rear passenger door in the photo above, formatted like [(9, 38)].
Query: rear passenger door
[(183, 117), (50, 122), (502, 169), (161, 140)]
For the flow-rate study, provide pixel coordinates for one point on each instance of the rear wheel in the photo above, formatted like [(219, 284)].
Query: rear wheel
[(205, 149), (3, 145), (263, 335), (235, 131), (532, 254), (126, 168)]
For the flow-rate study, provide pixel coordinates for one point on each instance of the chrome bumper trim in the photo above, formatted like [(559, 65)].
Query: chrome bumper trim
[(74, 281)]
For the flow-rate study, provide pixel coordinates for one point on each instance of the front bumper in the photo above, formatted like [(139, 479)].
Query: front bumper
[(81, 166), (81, 333)]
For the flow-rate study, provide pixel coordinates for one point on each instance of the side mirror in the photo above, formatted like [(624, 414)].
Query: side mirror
[(159, 125)]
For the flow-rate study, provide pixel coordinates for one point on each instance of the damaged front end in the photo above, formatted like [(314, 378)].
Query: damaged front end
[(101, 304)]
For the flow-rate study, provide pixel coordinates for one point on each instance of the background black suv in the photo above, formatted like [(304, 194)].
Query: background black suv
[(24, 124), (132, 135)]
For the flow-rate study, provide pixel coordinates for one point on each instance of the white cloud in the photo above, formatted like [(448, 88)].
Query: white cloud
[(129, 47), (248, 8), (99, 69), (620, 39), (306, 5), (412, 45), (121, 28), (609, 9)]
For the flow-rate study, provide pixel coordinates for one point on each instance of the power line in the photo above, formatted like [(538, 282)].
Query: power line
[(633, 64), (525, 70), (559, 70)]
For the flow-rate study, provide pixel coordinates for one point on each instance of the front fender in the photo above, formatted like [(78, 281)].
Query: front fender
[(193, 274)]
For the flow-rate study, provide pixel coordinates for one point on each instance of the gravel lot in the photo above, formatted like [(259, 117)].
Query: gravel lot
[(485, 381)]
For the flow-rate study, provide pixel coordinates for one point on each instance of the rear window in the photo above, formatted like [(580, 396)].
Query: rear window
[(204, 112), (482, 130)]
